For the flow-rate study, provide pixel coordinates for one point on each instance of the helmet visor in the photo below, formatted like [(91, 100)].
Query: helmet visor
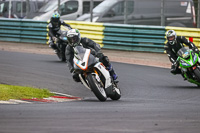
[(73, 40), (55, 20), (171, 38)]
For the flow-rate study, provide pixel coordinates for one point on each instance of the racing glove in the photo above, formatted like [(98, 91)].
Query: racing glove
[(93, 52), (55, 39), (196, 50)]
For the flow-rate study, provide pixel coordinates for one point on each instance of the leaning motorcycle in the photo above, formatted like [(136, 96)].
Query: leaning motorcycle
[(61, 44), (189, 63), (94, 75)]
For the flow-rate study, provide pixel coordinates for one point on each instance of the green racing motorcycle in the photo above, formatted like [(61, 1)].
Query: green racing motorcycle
[(189, 63)]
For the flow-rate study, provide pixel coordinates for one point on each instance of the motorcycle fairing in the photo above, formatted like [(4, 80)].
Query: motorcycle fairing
[(186, 63), (105, 73), (83, 58), (187, 58), (83, 64)]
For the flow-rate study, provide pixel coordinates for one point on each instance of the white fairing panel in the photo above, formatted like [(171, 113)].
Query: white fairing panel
[(85, 59), (106, 74)]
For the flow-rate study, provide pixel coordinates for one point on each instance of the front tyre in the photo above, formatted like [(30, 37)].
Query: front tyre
[(61, 52), (197, 73), (61, 57), (97, 89)]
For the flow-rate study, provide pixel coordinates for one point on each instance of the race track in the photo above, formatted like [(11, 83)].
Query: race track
[(153, 100)]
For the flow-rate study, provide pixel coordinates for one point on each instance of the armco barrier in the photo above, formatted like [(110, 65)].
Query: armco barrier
[(93, 31), (134, 38), (123, 37), (109, 36), (23, 30)]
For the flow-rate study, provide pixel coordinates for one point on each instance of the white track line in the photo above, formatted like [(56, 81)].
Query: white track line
[(62, 94)]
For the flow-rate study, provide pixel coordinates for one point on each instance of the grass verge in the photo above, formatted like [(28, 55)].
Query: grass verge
[(19, 92)]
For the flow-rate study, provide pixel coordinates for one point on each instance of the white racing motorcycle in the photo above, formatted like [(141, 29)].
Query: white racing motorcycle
[(94, 75)]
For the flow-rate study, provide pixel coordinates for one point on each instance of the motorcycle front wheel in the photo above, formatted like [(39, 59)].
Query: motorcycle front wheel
[(61, 56), (97, 89), (197, 73)]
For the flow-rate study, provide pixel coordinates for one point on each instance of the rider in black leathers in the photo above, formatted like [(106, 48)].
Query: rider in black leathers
[(74, 38), (54, 26), (173, 45)]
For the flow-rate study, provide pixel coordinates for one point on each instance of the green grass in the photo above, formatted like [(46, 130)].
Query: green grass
[(19, 92)]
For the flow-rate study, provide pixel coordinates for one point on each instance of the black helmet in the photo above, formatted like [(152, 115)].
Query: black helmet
[(55, 18), (73, 37), (171, 36)]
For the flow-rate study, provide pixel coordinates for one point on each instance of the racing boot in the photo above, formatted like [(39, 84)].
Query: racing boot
[(112, 72), (109, 67)]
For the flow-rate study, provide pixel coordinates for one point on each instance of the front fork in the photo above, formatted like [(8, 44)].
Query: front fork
[(85, 81)]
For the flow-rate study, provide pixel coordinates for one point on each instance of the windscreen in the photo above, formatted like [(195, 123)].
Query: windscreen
[(184, 52), (79, 52)]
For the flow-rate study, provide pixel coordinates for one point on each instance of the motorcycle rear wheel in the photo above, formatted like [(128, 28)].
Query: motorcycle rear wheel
[(117, 94), (96, 88)]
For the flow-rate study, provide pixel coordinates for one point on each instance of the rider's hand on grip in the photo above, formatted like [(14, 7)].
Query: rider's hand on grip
[(196, 50), (93, 52), (55, 39), (99, 54)]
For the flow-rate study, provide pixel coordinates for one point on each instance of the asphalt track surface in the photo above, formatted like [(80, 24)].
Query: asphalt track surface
[(153, 100)]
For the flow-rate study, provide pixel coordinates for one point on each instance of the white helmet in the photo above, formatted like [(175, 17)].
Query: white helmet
[(171, 36), (73, 37)]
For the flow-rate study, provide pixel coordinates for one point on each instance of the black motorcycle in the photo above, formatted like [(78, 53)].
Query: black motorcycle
[(61, 42)]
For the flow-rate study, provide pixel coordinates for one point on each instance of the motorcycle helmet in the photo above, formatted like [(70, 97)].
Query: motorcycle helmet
[(55, 18), (171, 37), (73, 37)]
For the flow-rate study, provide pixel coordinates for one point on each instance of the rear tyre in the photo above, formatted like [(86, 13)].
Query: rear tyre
[(117, 94), (97, 89)]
